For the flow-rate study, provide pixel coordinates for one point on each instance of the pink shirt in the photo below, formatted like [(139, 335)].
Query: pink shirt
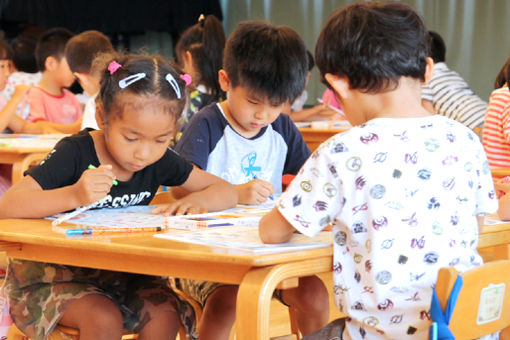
[(64, 109), (329, 97)]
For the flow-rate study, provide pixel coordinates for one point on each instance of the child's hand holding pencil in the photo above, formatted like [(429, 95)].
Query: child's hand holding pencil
[(94, 184)]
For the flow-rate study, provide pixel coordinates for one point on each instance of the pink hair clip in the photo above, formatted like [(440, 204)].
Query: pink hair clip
[(187, 78), (114, 66)]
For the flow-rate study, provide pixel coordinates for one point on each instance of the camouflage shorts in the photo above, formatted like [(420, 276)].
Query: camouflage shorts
[(37, 307), (201, 290)]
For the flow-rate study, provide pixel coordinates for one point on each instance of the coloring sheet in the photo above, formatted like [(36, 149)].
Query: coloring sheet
[(129, 217), (140, 216), (246, 239)]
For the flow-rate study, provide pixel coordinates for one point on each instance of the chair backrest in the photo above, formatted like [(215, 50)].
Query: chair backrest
[(483, 304)]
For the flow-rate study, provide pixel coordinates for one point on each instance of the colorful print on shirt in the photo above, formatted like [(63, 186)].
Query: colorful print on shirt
[(402, 195)]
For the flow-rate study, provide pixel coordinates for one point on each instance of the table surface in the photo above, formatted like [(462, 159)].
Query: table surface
[(257, 275)]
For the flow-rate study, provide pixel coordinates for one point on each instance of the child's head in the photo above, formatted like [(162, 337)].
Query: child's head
[(6, 56), (437, 47), (24, 48), (137, 107), (264, 69), (49, 54), (373, 45), (200, 52), (80, 52)]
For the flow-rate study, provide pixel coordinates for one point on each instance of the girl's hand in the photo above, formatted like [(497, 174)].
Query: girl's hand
[(502, 184), (185, 206), (94, 184), (254, 192)]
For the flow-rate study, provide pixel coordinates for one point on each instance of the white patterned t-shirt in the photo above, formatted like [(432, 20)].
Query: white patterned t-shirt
[(402, 195)]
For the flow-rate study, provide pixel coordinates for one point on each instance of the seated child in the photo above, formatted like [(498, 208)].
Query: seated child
[(24, 64), (319, 112), (49, 100), (80, 52), (247, 141), (404, 189), (139, 102), (200, 52), (496, 129), (447, 94)]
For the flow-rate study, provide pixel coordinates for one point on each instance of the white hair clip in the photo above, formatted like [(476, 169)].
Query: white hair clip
[(125, 82), (171, 80)]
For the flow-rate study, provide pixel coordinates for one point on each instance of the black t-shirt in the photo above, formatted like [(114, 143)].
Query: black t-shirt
[(71, 156)]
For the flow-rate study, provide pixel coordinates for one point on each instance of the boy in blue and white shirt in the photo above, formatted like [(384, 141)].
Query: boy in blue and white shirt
[(249, 142)]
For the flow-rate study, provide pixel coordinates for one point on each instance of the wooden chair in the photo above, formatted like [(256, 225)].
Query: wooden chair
[(484, 293)]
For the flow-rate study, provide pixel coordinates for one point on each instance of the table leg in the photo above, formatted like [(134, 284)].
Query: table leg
[(256, 290)]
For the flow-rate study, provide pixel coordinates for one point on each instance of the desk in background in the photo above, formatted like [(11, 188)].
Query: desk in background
[(315, 134), (23, 150), (257, 275)]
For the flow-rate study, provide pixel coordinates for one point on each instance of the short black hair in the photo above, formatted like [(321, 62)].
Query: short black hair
[(373, 44), (6, 52), (268, 60), (311, 61), (437, 47), (81, 49), (154, 84), (51, 44), (24, 48), (205, 41)]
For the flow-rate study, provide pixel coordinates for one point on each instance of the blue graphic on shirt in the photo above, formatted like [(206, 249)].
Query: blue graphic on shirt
[(248, 164)]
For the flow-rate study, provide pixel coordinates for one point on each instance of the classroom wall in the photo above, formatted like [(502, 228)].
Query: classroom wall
[(476, 32)]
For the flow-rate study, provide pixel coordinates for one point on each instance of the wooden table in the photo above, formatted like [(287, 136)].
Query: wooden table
[(22, 150), (257, 275), (314, 137)]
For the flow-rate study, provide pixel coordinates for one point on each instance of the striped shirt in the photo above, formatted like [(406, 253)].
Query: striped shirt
[(451, 97), (496, 130)]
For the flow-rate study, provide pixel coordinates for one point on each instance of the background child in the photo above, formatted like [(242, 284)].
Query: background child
[(25, 66), (247, 141), (200, 52), (49, 100), (447, 93), (496, 130), (318, 112), (403, 188), (80, 52), (140, 100)]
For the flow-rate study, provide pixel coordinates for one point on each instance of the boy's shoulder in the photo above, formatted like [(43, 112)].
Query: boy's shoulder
[(381, 130)]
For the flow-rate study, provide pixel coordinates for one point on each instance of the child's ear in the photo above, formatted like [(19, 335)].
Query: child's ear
[(429, 70), (224, 80), (50, 63), (100, 116), (340, 84)]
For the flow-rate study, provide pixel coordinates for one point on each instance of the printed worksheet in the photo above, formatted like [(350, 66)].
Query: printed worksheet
[(246, 239)]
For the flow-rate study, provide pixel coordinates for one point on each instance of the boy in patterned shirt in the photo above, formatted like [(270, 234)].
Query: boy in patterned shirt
[(405, 190)]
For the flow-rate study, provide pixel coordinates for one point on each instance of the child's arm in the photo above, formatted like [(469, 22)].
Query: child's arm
[(9, 111), (318, 112), (207, 193), (253, 192), (504, 207), (26, 198), (274, 228)]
